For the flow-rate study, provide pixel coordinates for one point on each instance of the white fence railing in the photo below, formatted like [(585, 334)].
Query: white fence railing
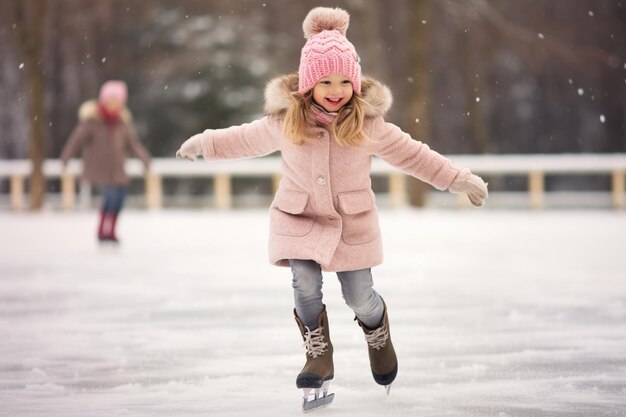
[(533, 166)]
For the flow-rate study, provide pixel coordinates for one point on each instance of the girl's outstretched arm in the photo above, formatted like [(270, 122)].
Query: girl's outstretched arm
[(418, 160), (257, 138)]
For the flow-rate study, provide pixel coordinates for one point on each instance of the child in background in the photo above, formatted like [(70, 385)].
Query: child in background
[(106, 136), (327, 121)]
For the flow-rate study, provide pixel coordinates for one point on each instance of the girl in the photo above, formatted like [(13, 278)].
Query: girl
[(328, 123), (105, 135)]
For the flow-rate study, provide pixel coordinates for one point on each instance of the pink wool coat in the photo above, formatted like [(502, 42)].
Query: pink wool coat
[(325, 209)]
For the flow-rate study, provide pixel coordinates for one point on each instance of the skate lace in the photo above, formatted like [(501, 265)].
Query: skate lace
[(378, 338), (314, 342)]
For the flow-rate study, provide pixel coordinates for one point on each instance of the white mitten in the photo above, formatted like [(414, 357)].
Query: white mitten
[(191, 148), (472, 185)]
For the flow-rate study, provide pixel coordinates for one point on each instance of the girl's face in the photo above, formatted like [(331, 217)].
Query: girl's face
[(332, 92)]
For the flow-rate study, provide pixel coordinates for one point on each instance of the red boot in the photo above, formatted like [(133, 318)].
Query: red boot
[(102, 235), (111, 236)]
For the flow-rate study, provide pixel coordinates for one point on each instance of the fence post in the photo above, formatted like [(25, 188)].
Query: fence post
[(154, 191), (222, 191), (84, 195), (68, 191), (275, 182), (397, 189), (535, 189), (617, 185), (17, 192)]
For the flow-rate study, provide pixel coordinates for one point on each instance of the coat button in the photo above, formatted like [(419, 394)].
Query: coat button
[(321, 180)]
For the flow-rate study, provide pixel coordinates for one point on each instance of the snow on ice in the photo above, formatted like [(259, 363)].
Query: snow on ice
[(493, 313)]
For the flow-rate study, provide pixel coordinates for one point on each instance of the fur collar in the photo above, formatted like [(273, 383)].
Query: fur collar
[(89, 111), (278, 95)]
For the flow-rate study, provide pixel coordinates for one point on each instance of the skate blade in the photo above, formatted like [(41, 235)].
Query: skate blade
[(317, 403), (388, 388), (315, 398)]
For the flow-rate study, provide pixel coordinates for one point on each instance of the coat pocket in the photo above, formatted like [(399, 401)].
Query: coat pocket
[(359, 216), (288, 215)]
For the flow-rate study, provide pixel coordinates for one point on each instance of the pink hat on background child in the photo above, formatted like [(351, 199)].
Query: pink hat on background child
[(114, 89), (327, 50)]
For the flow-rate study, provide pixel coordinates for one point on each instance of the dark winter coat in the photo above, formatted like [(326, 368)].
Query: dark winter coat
[(104, 148)]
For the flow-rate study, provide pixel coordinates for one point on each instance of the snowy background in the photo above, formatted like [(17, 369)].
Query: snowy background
[(498, 77), (493, 313)]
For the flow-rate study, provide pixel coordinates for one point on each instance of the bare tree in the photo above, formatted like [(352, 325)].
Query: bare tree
[(418, 115), (29, 21)]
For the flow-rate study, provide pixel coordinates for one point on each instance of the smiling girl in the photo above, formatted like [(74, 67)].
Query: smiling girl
[(327, 121)]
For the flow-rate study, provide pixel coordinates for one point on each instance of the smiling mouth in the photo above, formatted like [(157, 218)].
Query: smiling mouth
[(334, 100)]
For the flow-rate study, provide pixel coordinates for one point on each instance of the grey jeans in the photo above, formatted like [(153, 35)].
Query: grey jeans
[(356, 287)]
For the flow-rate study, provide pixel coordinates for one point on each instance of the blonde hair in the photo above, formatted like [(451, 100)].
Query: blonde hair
[(347, 126)]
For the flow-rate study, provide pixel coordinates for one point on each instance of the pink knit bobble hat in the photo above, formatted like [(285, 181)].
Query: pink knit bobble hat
[(114, 89), (327, 51)]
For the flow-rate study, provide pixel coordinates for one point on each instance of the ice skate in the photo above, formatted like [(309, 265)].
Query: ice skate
[(383, 360), (314, 379)]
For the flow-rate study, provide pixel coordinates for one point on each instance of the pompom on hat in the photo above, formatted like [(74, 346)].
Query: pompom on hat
[(114, 89), (327, 50)]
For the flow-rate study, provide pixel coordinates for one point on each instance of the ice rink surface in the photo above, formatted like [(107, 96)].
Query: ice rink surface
[(493, 314)]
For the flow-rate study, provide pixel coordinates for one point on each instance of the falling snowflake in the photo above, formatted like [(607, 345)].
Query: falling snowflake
[(477, 99), (602, 118), (417, 120), (21, 66), (103, 60), (581, 91), (540, 35), (590, 13)]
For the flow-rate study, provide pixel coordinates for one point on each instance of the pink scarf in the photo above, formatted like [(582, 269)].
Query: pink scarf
[(322, 116)]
